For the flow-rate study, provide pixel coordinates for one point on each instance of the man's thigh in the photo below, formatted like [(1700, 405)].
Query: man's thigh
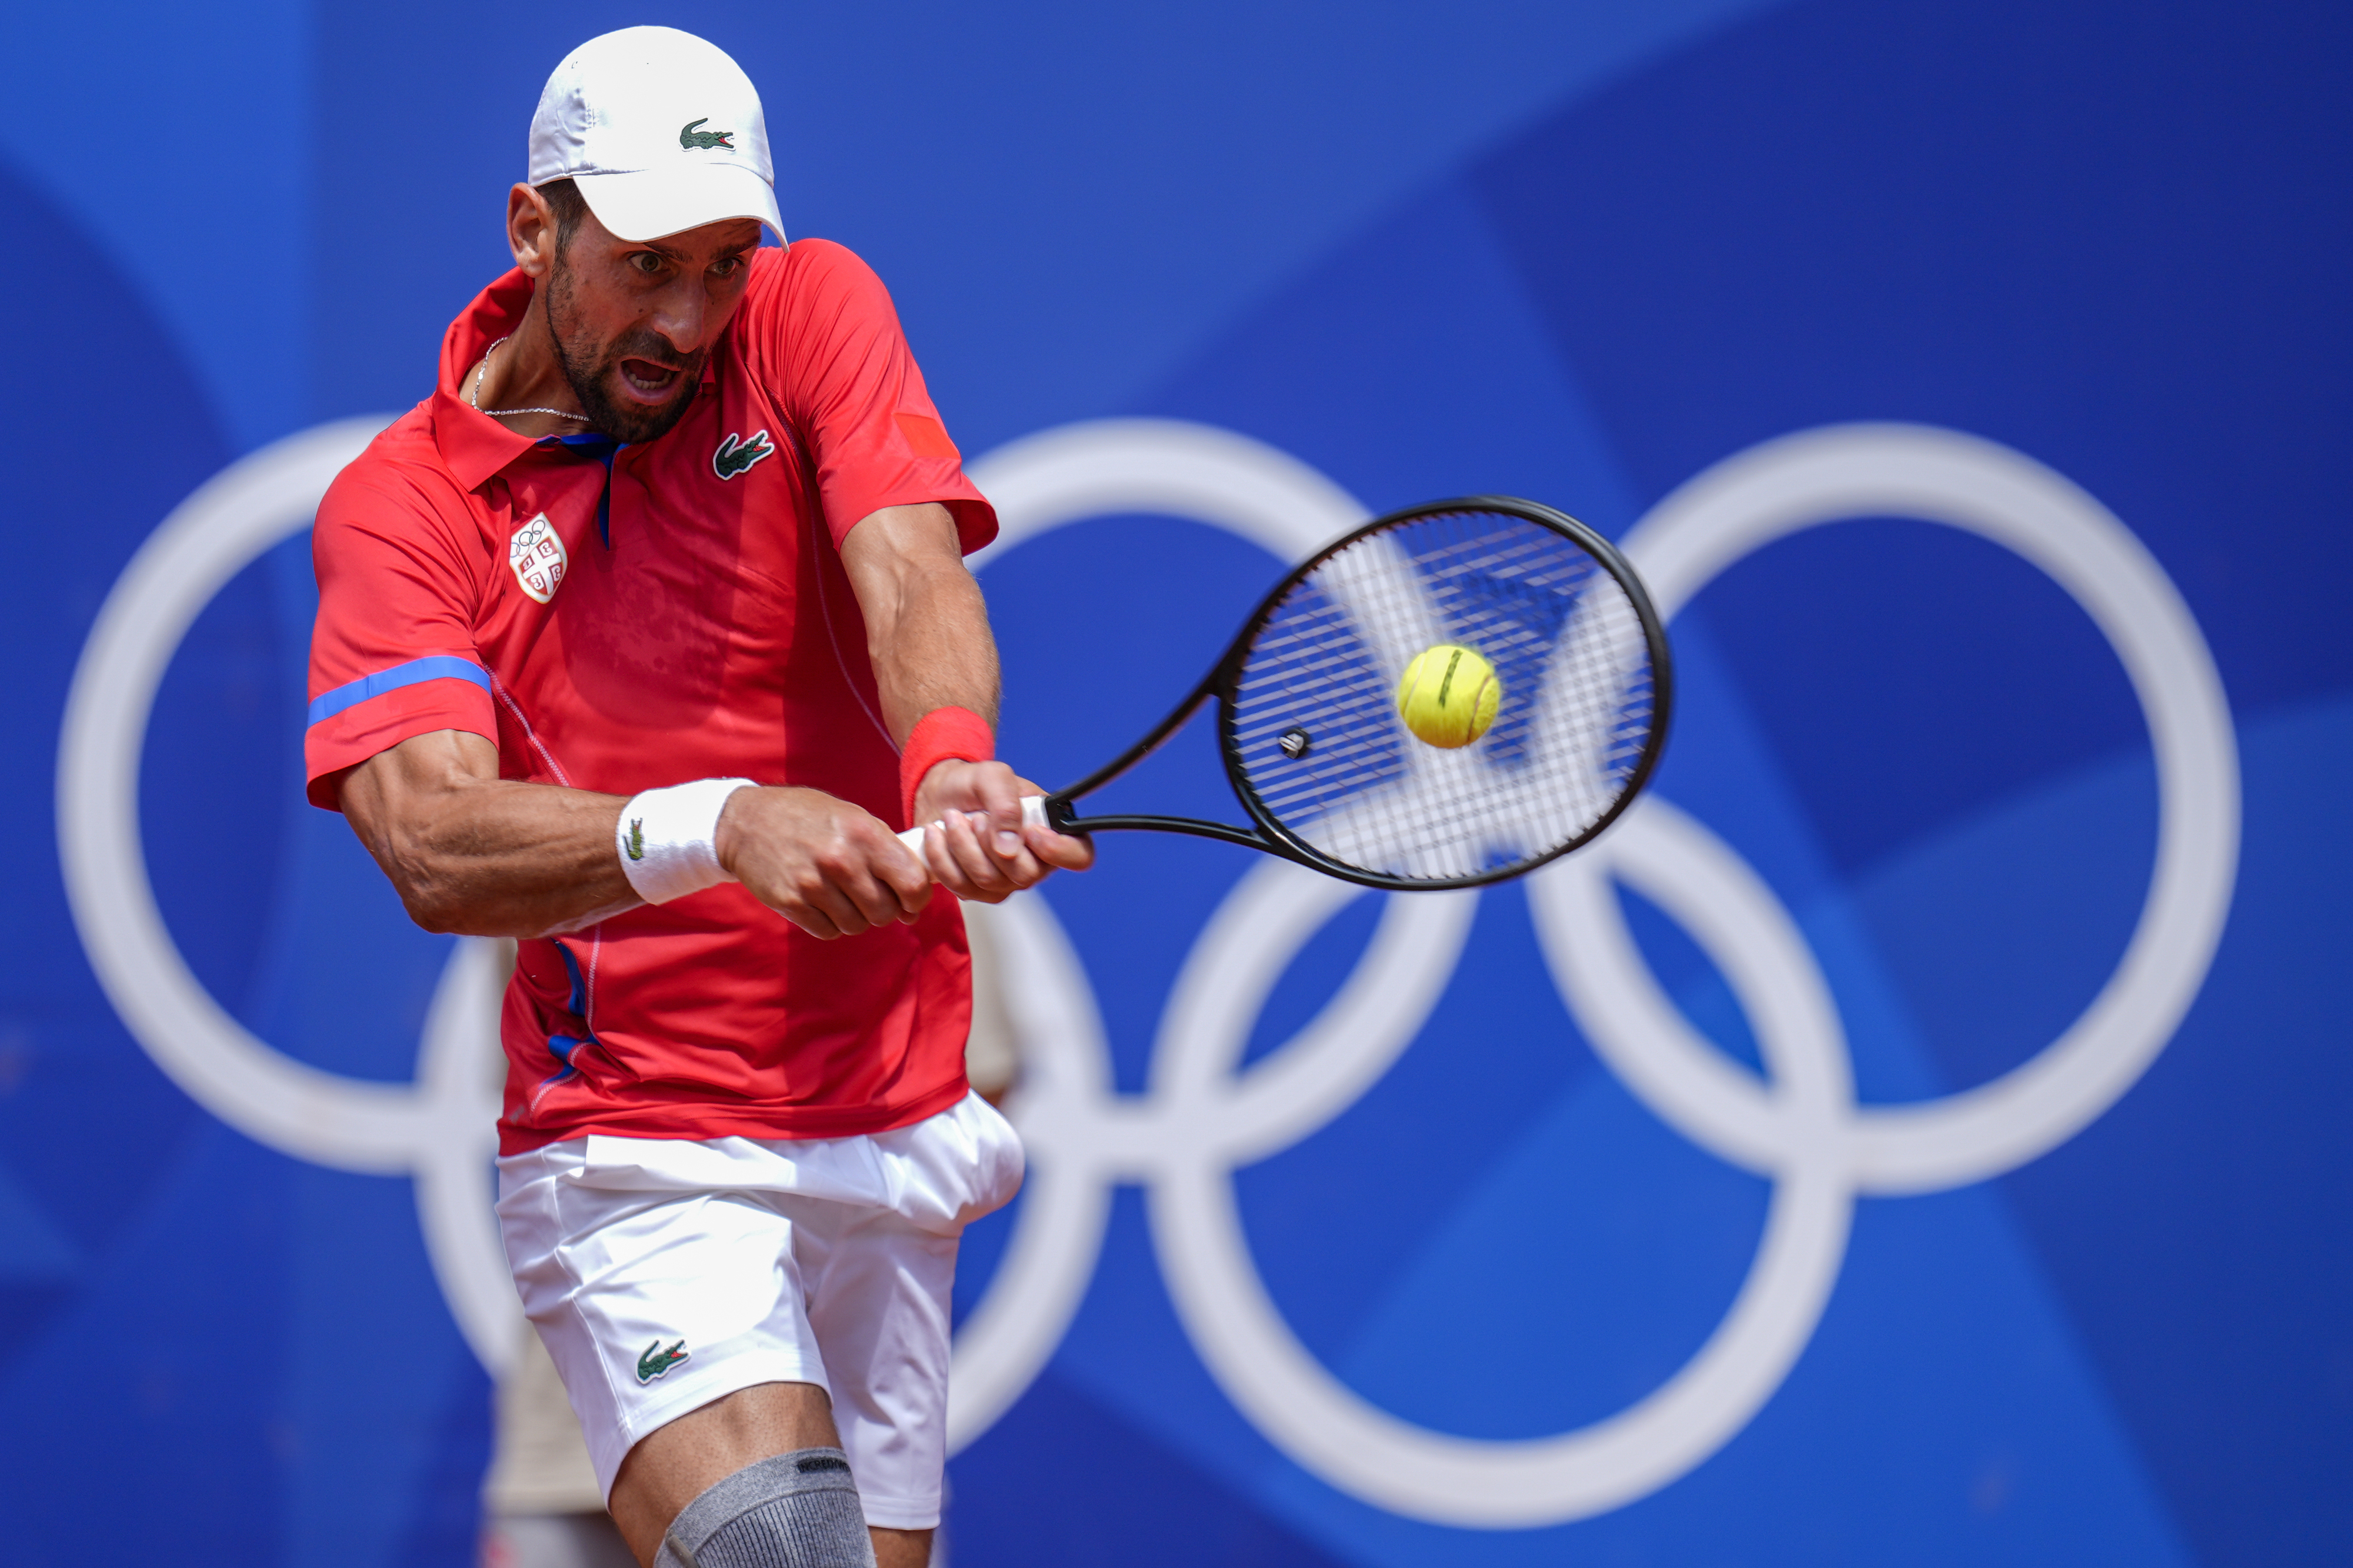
[(652, 1304), (879, 1302), (678, 1462), (676, 1465)]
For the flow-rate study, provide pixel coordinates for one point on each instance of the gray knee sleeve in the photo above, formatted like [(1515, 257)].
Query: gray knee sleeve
[(796, 1510)]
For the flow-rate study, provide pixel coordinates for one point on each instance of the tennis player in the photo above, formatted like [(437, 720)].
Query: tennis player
[(636, 641)]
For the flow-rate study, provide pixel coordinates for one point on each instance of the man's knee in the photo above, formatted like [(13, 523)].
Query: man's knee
[(794, 1510)]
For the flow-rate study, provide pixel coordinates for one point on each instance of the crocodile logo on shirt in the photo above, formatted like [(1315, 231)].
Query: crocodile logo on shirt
[(690, 138), (536, 554), (737, 454), (657, 1361)]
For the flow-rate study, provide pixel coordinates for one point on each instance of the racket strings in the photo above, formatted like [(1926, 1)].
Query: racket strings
[(1315, 726)]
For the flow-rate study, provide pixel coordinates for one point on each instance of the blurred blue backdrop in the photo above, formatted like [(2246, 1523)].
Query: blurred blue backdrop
[(1576, 251)]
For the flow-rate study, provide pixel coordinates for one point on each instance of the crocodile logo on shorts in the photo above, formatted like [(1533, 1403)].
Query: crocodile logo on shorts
[(737, 454), (690, 138), (657, 1360)]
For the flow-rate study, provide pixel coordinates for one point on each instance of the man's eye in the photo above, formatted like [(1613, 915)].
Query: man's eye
[(727, 268), (647, 262)]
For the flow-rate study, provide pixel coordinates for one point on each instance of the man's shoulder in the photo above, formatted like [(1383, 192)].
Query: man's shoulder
[(803, 305), (809, 261), (405, 444), (399, 472), (810, 274)]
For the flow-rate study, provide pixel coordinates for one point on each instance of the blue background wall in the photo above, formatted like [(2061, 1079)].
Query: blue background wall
[(1574, 251)]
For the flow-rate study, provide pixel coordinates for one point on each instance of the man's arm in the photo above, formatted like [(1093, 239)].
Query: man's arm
[(479, 854), (482, 855), (927, 636)]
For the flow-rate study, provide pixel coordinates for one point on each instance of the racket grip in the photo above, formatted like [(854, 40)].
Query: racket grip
[(1033, 815)]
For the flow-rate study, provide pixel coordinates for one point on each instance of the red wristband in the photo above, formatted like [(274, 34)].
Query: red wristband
[(940, 735)]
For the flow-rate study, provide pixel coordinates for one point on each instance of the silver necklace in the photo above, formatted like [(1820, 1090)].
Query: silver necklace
[(483, 369)]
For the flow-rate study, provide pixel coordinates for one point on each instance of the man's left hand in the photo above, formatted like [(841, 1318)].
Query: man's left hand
[(974, 840)]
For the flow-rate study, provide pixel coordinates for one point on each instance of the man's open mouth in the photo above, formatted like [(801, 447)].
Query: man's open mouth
[(651, 383)]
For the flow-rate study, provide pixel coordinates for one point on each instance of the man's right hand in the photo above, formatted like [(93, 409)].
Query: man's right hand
[(831, 867)]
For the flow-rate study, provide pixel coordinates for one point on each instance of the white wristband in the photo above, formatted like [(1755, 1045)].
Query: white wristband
[(665, 838)]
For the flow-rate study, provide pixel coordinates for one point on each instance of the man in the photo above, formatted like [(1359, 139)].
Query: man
[(636, 640)]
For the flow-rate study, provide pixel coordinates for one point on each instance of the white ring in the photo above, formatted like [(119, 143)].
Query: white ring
[(1334, 1431), (208, 538), (1942, 475), (1100, 466), (436, 1128), (1082, 1136), (1066, 1196)]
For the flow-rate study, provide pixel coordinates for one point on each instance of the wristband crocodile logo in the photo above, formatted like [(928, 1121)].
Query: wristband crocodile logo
[(690, 138), (736, 453), (635, 843), (657, 1360)]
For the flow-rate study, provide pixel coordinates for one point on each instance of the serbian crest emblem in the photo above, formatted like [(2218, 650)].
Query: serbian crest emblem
[(536, 554)]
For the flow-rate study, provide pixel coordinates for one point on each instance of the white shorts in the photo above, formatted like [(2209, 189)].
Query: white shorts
[(665, 1273)]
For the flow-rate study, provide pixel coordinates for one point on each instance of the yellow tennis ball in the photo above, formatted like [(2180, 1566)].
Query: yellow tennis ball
[(1448, 695)]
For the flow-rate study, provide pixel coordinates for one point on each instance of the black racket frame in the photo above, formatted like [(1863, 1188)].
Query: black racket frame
[(1270, 836)]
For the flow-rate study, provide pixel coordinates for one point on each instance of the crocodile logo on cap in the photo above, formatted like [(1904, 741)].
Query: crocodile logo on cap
[(690, 138)]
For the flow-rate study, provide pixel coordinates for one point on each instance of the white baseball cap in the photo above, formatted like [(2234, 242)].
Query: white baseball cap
[(661, 131)]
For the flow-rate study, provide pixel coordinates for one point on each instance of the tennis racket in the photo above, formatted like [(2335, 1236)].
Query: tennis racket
[(1310, 723)]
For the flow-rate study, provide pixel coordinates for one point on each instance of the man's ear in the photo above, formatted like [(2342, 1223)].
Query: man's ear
[(531, 231)]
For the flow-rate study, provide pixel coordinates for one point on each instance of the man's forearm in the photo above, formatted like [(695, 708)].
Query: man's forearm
[(940, 655), (476, 855), (522, 859), (927, 631)]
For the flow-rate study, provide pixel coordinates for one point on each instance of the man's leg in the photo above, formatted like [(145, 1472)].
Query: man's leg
[(677, 1463), (878, 1280), (880, 1309), (674, 1316), (674, 1466), (682, 1461), (901, 1548)]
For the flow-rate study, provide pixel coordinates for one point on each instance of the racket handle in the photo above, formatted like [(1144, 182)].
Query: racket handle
[(1033, 815)]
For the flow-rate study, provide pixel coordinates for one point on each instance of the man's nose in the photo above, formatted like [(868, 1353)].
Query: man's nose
[(681, 314)]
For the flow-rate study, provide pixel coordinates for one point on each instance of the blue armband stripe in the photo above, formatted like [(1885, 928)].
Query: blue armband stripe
[(436, 667)]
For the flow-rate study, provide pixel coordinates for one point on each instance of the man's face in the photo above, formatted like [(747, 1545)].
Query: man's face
[(634, 319)]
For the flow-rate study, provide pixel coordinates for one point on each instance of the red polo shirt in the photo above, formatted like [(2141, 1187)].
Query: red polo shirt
[(687, 618)]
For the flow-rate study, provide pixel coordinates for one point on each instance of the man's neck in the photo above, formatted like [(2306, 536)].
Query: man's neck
[(524, 374)]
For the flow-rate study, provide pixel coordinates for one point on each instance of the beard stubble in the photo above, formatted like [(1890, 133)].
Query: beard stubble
[(588, 368)]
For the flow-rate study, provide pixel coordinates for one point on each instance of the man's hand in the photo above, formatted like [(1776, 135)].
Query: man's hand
[(980, 850), (831, 867)]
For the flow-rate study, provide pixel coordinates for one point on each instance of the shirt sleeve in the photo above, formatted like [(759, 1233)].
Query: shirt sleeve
[(823, 333), (391, 653)]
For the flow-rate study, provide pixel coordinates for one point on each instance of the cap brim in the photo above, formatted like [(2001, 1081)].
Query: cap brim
[(652, 202)]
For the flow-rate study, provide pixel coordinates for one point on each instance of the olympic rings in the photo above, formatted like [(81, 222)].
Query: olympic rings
[(1201, 1116), (1803, 1128)]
